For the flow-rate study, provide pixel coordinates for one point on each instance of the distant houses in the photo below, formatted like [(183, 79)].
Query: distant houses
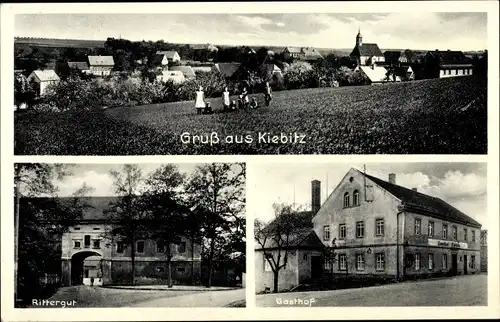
[(43, 79), (187, 71), (101, 65), (448, 63), (301, 53), (170, 55)]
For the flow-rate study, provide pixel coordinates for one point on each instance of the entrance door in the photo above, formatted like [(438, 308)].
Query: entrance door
[(316, 266), (465, 264), (454, 264)]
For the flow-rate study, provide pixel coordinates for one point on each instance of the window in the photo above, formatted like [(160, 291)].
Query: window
[(342, 262), (431, 261), (160, 269), (140, 246), (76, 228), (347, 202), (360, 229), (418, 226), (417, 261), (182, 247), (87, 241), (430, 229), (326, 233), (97, 243), (445, 261), (454, 230), (355, 198), (473, 236), (379, 227), (119, 247), (380, 261), (327, 265), (472, 261), (445, 231), (465, 234), (96, 228), (342, 231), (360, 262), (160, 246), (304, 257), (78, 244)]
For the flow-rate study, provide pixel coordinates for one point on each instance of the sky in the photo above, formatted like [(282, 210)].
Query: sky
[(463, 185), (418, 30), (98, 178)]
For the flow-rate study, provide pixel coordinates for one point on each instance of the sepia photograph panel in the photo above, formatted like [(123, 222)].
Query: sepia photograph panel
[(130, 235), (375, 234), (260, 83)]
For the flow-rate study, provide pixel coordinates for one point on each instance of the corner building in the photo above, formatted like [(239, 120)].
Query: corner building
[(380, 229)]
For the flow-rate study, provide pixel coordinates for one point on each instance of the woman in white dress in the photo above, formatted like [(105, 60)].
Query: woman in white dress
[(245, 98), (225, 100), (200, 101)]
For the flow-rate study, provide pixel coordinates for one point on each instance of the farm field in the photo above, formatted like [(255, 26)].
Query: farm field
[(438, 116)]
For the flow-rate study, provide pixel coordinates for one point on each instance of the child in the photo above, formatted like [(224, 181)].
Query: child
[(200, 101), (253, 103), (208, 109), (245, 99), (233, 106), (225, 99), (268, 94)]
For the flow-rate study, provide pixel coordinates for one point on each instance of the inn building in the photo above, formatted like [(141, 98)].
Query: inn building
[(377, 229)]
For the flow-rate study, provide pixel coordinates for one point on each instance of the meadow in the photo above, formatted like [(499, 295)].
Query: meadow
[(437, 116)]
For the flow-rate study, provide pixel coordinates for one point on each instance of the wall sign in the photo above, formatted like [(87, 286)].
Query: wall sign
[(447, 243)]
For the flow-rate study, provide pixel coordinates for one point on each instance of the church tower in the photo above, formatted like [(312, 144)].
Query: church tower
[(359, 38)]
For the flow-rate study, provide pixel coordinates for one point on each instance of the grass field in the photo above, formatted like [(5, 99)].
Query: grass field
[(438, 116)]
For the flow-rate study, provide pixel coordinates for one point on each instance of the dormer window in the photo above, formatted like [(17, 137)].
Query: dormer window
[(355, 197), (347, 200)]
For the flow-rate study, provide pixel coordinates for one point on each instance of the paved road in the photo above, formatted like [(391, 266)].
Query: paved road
[(457, 291), (201, 299)]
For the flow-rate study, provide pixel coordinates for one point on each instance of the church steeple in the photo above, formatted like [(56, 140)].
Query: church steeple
[(359, 38)]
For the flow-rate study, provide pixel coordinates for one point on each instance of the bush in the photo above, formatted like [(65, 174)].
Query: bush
[(213, 84)]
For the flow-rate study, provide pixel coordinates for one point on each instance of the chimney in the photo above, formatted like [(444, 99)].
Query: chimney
[(315, 196), (392, 178), (414, 189)]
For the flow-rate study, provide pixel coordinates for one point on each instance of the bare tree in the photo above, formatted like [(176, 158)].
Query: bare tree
[(275, 238)]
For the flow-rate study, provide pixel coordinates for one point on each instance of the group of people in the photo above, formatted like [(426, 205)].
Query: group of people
[(244, 101)]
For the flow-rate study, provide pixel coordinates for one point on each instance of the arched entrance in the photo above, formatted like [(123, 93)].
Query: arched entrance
[(86, 268)]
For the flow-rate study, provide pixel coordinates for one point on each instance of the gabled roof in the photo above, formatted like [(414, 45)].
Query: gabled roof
[(311, 53), (425, 204), (449, 57), (208, 47), (101, 60), (81, 65), (186, 70), (272, 68), (376, 74), (169, 53), (403, 70), (303, 237), (295, 50), (367, 50), (157, 60), (228, 69), (45, 75)]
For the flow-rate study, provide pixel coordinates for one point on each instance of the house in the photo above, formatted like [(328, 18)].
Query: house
[(205, 52), (171, 55), (405, 73), (310, 54), (379, 229), (447, 63), (292, 52), (398, 57), (160, 62), (169, 75), (186, 70), (207, 47), (89, 250), (228, 70), (81, 66), (273, 69), (366, 54), (43, 79), (484, 250), (203, 69), (376, 74), (101, 65)]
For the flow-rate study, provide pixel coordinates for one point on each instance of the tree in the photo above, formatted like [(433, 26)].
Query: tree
[(24, 93), (127, 212), (168, 214), (217, 193), (298, 75), (278, 236)]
